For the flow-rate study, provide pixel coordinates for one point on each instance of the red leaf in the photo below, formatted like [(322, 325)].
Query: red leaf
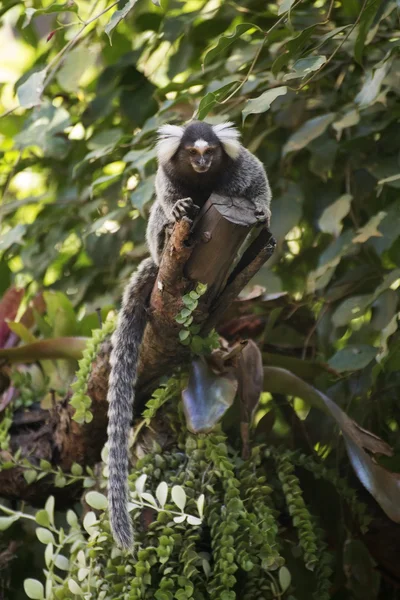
[(9, 305)]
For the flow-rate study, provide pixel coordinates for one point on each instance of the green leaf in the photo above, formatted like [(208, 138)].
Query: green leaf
[(225, 41), (79, 60), (263, 102), (89, 522), (310, 130), (284, 6), (372, 85), (351, 308), (142, 194), (75, 588), (61, 562), (76, 469), (42, 518), (178, 496), (34, 589), (212, 98), (13, 236), (45, 536), (370, 229), (6, 522), (43, 128), (96, 500), (117, 17), (21, 331), (304, 66), (331, 219), (284, 578), (184, 334), (365, 23), (30, 476), (30, 92), (381, 483), (49, 508), (55, 7), (353, 358), (294, 48), (162, 493)]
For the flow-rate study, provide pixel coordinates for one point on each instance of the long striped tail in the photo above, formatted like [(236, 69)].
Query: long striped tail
[(124, 357)]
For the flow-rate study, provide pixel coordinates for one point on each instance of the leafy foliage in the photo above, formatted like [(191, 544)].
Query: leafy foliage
[(314, 87)]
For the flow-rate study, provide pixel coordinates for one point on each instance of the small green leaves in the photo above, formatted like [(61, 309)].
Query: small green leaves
[(80, 400), (185, 317)]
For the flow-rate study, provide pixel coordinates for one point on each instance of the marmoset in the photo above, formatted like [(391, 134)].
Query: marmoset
[(194, 162)]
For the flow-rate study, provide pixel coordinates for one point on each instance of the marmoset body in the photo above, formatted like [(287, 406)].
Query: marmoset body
[(194, 162)]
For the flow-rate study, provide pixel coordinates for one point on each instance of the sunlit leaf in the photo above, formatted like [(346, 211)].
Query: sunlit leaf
[(331, 219), (263, 102), (370, 229), (30, 92), (117, 17), (74, 66), (13, 236), (284, 6)]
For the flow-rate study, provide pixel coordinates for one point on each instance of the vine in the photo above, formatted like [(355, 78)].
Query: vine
[(80, 400)]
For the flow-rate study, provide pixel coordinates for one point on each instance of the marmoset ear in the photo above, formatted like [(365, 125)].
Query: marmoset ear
[(169, 138), (228, 135)]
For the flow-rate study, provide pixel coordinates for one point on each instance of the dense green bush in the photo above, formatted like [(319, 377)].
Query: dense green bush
[(314, 87)]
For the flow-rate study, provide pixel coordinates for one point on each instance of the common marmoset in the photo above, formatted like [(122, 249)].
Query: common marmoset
[(194, 162)]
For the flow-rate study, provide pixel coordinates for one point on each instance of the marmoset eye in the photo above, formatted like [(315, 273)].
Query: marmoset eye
[(192, 152)]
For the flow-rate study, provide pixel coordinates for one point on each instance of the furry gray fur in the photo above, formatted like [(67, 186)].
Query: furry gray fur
[(194, 161)]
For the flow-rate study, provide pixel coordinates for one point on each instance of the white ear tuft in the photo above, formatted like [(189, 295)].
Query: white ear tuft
[(228, 135), (169, 138)]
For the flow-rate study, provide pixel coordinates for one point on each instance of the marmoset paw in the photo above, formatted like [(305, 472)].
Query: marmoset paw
[(184, 208), (260, 215)]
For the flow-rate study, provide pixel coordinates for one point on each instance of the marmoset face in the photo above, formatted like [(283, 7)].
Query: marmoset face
[(202, 155)]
